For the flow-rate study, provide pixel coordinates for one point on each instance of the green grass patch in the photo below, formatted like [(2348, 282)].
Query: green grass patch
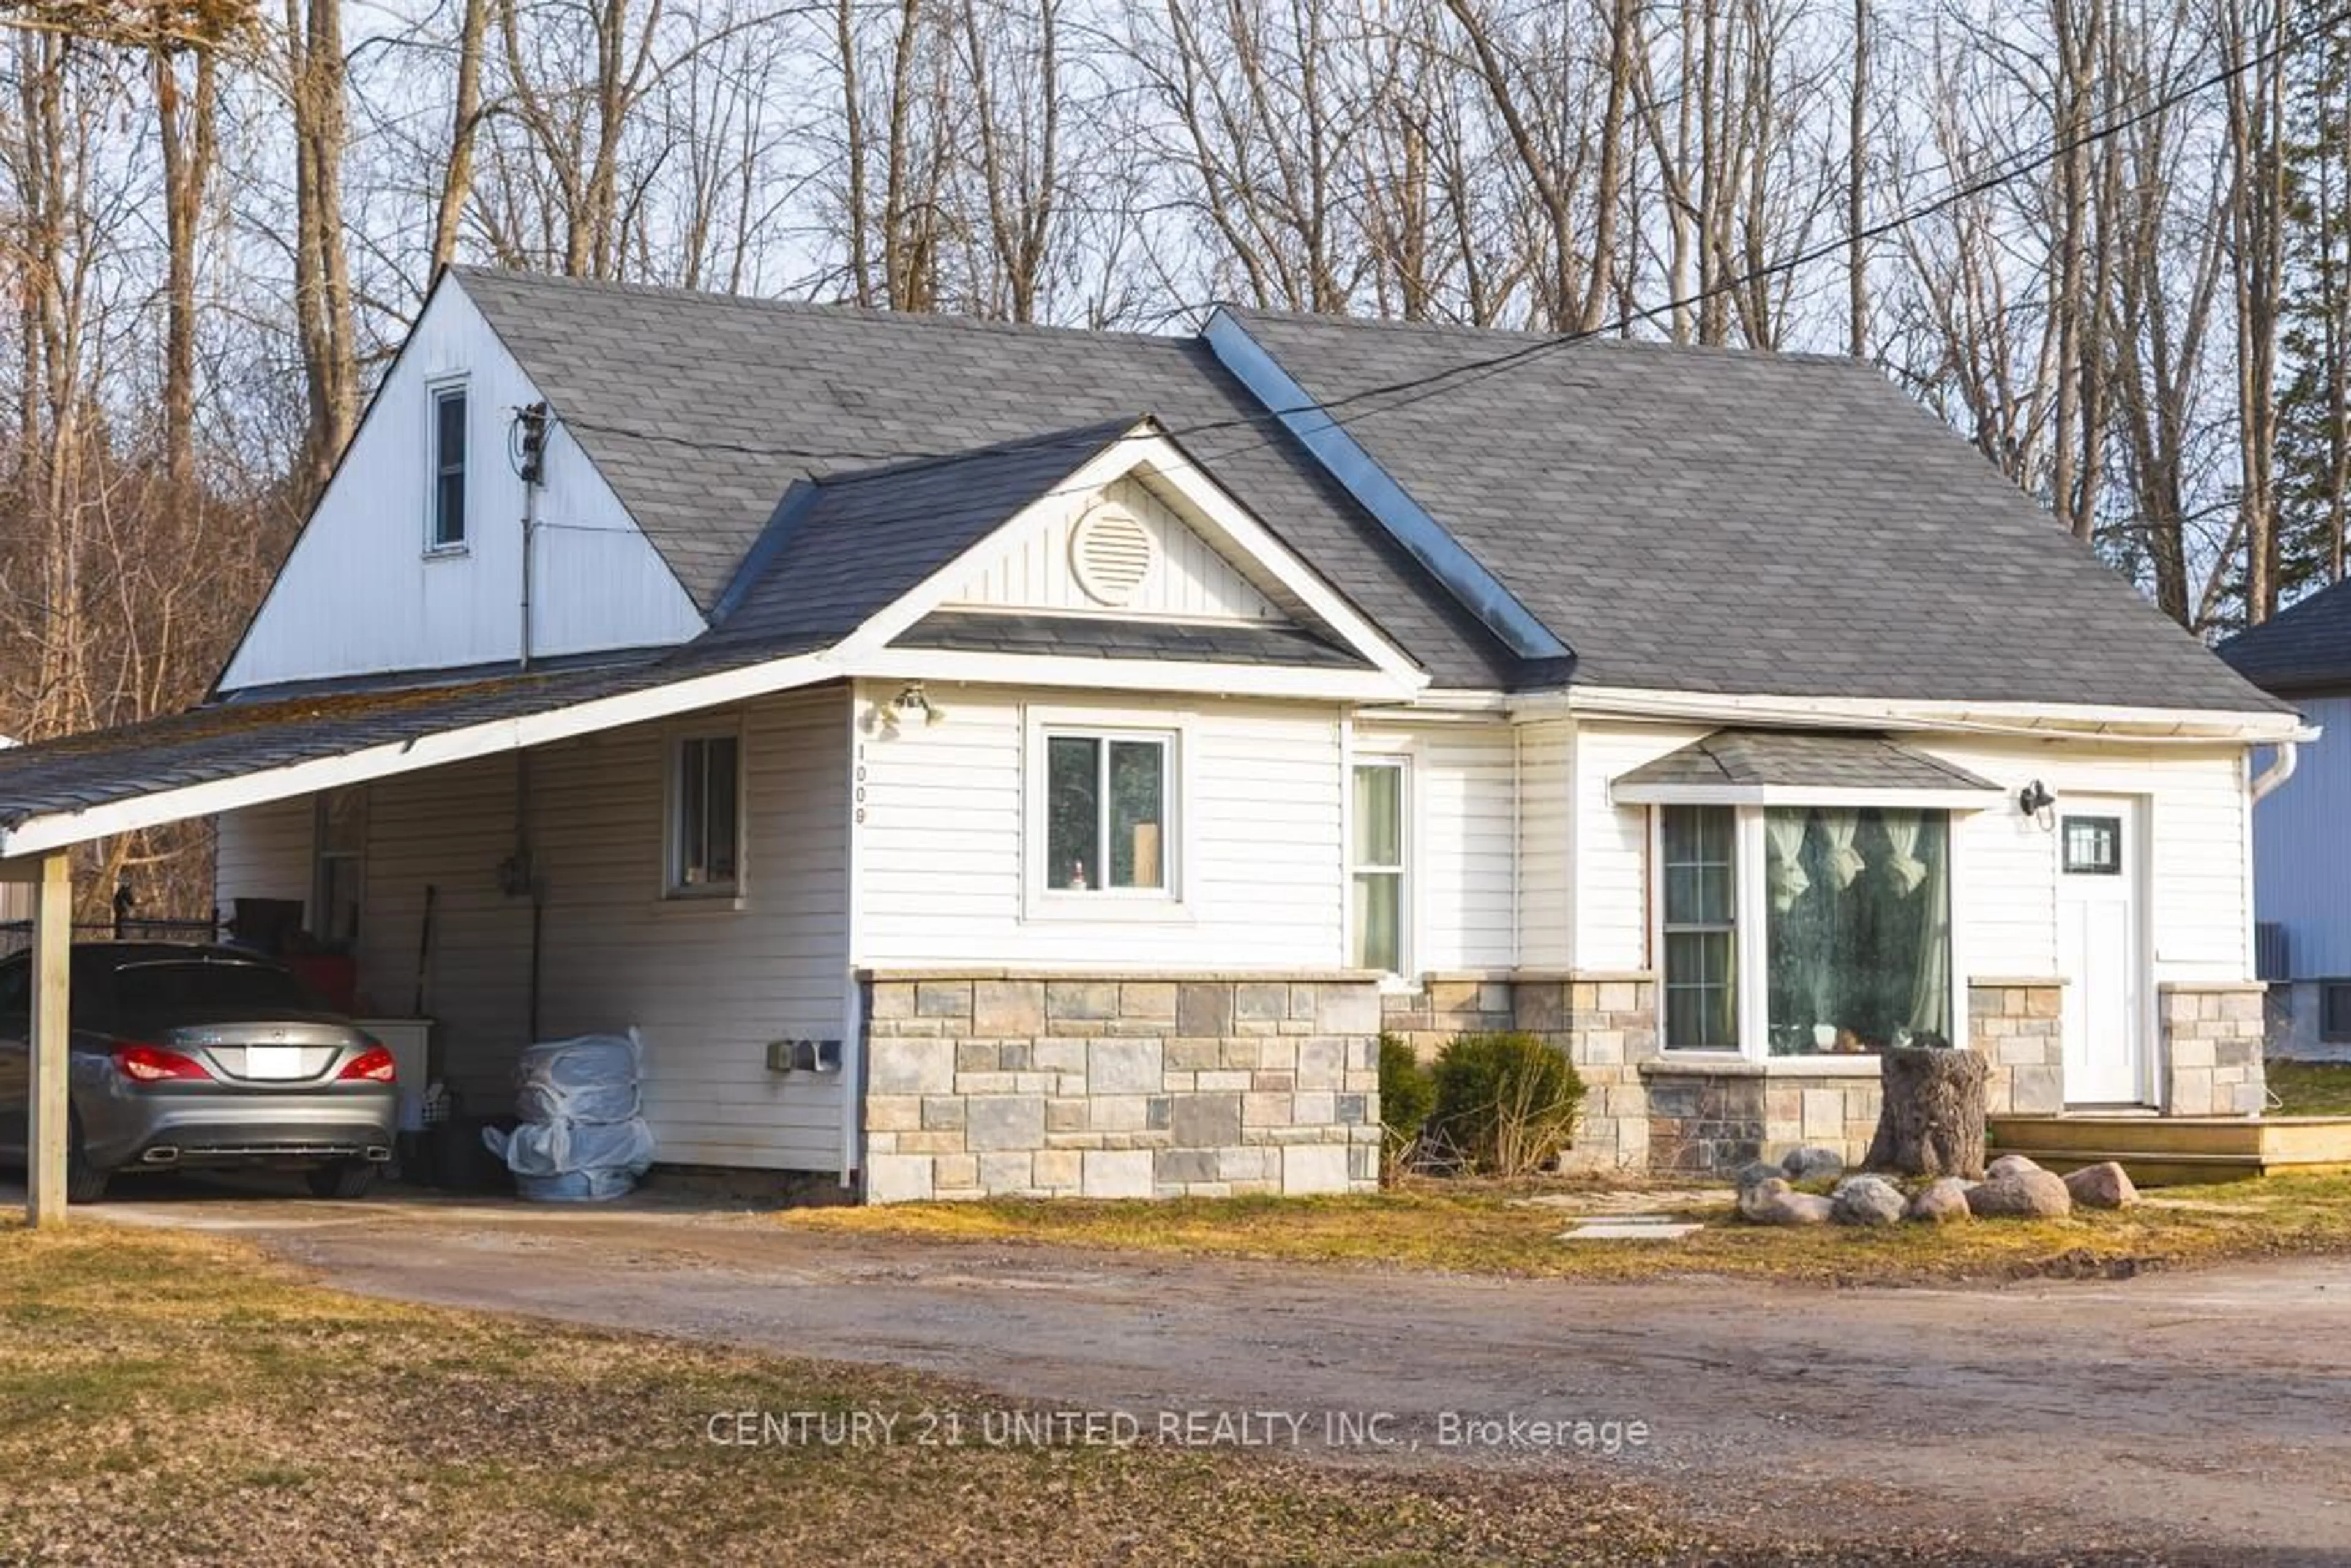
[(2310, 1088)]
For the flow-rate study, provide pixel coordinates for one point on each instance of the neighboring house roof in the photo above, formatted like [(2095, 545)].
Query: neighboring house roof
[(702, 409), (1719, 521), (2303, 649), (1795, 759)]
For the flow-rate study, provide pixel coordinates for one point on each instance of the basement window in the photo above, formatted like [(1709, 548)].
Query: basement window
[(706, 816), (2335, 1012)]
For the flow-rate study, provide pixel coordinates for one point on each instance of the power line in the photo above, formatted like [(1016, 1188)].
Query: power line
[(1410, 390)]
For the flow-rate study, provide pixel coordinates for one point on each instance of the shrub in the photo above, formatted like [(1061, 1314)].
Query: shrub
[(1506, 1101), (1408, 1091)]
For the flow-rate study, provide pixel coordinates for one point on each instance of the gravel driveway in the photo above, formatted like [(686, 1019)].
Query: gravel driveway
[(2197, 1417)]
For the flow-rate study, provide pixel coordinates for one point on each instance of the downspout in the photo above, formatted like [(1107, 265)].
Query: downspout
[(2280, 770)]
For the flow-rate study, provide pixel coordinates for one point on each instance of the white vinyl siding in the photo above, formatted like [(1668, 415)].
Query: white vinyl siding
[(2303, 847), (1189, 578), (265, 851), (707, 984), (1464, 840), (1259, 850), (2004, 863), (1546, 754), (359, 596)]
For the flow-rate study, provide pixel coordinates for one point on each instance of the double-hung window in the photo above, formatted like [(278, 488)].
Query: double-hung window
[(1377, 908), (705, 828), (1109, 807), (339, 865), (1698, 847), (446, 529)]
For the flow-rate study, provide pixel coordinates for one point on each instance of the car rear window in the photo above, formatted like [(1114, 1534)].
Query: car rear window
[(170, 987)]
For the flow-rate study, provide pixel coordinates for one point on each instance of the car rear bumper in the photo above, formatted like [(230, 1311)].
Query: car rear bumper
[(177, 1130)]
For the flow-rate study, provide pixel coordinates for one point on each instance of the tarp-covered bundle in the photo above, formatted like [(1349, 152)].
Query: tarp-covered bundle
[(581, 1135)]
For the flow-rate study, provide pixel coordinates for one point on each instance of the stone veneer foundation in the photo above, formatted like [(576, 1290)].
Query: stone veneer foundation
[(981, 1082), (2213, 1037)]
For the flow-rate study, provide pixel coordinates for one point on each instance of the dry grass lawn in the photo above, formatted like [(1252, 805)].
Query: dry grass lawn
[(2312, 1088), (165, 1398), (1470, 1229)]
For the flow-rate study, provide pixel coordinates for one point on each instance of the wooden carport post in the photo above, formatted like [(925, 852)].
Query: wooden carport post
[(49, 1108)]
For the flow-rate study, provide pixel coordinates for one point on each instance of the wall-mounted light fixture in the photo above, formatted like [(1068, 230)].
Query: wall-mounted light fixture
[(2034, 801)]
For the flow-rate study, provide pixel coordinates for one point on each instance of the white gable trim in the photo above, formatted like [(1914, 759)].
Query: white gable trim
[(1145, 451), (38, 835)]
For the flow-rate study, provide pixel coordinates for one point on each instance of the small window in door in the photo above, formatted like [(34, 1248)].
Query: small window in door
[(2094, 846)]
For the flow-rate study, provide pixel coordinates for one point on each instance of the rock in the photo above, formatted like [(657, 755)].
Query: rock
[(2008, 1165), (2102, 1187), (1942, 1202), (1811, 1162), (1755, 1171), (1866, 1200), (2028, 1193), (1774, 1202)]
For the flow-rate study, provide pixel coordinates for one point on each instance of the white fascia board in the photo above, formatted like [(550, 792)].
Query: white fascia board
[(1120, 675), (59, 830), (1143, 449), (1853, 796), (2054, 721)]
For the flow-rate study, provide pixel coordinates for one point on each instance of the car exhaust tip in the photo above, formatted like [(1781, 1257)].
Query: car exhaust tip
[(163, 1157)]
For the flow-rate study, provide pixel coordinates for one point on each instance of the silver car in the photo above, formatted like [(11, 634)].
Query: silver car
[(192, 1055)]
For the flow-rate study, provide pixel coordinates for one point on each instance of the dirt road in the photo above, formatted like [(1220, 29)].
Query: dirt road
[(2195, 1418)]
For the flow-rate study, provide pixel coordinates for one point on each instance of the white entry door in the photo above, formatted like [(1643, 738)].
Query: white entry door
[(2100, 950)]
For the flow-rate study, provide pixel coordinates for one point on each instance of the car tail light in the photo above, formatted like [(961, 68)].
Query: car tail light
[(373, 1064), (153, 1064)]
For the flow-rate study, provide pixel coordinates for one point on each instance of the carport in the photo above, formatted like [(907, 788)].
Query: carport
[(57, 795)]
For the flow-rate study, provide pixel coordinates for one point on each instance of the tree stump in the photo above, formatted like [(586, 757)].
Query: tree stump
[(1930, 1121)]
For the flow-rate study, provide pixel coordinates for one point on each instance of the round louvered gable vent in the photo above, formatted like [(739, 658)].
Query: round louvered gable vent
[(1110, 553)]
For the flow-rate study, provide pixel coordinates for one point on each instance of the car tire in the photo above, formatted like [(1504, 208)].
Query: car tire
[(85, 1183), (343, 1179)]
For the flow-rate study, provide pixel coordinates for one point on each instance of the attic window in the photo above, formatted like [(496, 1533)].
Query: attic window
[(446, 531), (1110, 553)]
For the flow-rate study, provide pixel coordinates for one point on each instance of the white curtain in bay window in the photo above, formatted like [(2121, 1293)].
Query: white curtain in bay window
[(1784, 834), (1902, 862), (1841, 859)]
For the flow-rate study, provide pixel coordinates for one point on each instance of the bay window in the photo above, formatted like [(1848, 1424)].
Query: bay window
[(1842, 916)]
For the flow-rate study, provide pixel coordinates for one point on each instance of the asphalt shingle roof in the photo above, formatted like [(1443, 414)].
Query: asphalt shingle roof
[(2304, 650), (1714, 520), (845, 545), (1094, 636), (701, 410), (1803, 761)]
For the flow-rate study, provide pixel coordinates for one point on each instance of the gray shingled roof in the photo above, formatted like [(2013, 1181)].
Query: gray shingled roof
[(230, 740), (1105, 637), (701, 410), (1715, 520), (2303, 650), (843, 546), (1768, 758)]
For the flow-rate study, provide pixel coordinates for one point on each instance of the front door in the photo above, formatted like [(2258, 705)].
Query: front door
[(2100, 945)]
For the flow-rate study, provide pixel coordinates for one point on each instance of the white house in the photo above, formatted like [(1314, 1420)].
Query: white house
[(2302, 834), (988, 758)]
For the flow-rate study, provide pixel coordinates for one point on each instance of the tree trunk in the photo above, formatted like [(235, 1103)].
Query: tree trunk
[(1931, 1121)]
